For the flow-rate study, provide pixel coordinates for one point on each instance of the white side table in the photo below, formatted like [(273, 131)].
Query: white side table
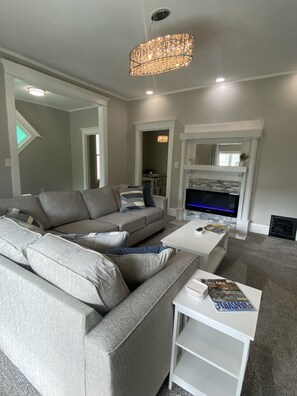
[(209, 348)]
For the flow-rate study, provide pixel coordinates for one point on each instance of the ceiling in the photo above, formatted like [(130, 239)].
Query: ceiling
[(90, 41)]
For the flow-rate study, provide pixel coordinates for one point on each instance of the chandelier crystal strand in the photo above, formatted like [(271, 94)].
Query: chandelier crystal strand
[(162, 54)]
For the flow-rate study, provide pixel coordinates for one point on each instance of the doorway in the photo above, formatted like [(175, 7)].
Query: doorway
[(155, 160), (92, 157), (150, 127)]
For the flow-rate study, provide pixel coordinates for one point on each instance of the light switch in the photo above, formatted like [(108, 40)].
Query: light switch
[(7, 162), (176, 165)]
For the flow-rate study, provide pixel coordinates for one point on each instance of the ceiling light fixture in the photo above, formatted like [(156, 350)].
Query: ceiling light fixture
[(220, 79), (161, 54), (36, 91), (149, 92), (162, 139)]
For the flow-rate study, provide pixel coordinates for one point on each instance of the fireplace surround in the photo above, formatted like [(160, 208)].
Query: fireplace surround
[(221, 177)]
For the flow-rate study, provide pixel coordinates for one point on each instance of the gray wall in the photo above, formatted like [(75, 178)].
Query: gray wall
[(46, 162), (273, 100)]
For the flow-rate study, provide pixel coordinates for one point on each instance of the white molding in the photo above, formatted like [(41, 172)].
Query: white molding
[(85, 132), (171, 212), (49, 83), (236, 126), (141, 127), (259, 228)]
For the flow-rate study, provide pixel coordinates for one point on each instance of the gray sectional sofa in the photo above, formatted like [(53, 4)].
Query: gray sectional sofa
[(65, 347), (94, 210)]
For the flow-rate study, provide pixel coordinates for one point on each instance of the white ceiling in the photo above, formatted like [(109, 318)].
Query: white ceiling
[(91, 40)]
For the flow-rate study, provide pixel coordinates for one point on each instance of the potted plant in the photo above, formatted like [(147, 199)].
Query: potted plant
[(243, 158)]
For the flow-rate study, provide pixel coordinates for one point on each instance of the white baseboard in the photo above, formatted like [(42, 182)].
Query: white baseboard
[(259, 228), (172, 212)]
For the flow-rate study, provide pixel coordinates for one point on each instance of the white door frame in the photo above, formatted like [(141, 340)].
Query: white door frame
[(85, 133), (13, 70), (150, 127)]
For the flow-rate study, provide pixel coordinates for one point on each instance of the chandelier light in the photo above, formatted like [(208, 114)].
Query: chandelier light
[(162, 139), (161, 54)]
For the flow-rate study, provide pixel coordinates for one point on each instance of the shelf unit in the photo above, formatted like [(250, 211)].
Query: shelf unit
[(210, 349)]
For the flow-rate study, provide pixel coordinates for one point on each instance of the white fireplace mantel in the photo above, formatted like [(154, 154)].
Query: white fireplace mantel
[(238, 131)]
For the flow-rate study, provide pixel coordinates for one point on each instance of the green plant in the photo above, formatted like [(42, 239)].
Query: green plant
[(243, 156)]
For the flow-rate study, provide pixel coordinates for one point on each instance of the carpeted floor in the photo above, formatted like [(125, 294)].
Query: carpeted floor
[(266, 263)]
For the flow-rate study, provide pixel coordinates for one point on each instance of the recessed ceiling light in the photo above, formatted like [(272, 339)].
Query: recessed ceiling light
[(36, 91), (220, 79), (149, 92)]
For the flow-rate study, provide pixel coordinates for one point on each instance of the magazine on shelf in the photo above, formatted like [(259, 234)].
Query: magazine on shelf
[(217, 228), (227, 296)]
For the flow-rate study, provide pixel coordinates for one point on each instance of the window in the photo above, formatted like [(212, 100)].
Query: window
[(229, 159), (25, 132)]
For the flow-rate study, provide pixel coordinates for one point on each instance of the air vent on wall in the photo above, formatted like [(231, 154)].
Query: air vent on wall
[(283, 227)]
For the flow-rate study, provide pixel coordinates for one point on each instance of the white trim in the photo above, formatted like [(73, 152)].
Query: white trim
[(149, 127), (28, 128), (46, 82), (57, 72), (258, 228), (85, 132), (214, 84)]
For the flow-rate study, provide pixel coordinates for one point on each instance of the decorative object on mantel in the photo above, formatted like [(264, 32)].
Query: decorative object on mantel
[(161, 54), (243, 158)]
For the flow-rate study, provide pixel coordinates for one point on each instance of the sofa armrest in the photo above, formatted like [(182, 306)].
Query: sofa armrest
[(128, 352), (42, 330), (161, 202)]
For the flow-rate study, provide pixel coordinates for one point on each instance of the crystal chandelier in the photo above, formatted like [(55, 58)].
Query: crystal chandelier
[(161, 54)]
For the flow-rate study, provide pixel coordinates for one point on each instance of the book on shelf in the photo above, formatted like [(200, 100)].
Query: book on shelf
[(217, 228), (227, 296)]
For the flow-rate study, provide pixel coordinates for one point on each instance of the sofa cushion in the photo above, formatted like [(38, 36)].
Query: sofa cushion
[(28, 203), (99, 241), (131, 199), (129, 221), (100, 201), (82, 273), (62, 207), (14, 239), (139, 264), (152, 214), (86, 226)]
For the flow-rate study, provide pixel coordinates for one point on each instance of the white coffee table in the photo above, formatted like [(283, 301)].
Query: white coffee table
[(210, 349), (211, 247)]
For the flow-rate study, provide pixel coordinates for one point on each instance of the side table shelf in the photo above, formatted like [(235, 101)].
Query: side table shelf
[(210, 349)]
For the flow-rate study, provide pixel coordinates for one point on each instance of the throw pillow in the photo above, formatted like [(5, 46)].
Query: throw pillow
[(99, 241), (25, 219), (82, 273), (131, 198), (14, 239), (147, 196), (139, 264)]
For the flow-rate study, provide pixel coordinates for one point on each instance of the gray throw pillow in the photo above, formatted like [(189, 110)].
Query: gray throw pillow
[(99, 241), (131, 199), (138, 267), (14, 239), (82, 273)]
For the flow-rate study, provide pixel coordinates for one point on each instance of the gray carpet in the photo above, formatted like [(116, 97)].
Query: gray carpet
[(266, 263)]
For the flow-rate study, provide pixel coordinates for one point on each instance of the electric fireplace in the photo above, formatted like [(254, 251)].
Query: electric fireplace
[(224, 204)]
